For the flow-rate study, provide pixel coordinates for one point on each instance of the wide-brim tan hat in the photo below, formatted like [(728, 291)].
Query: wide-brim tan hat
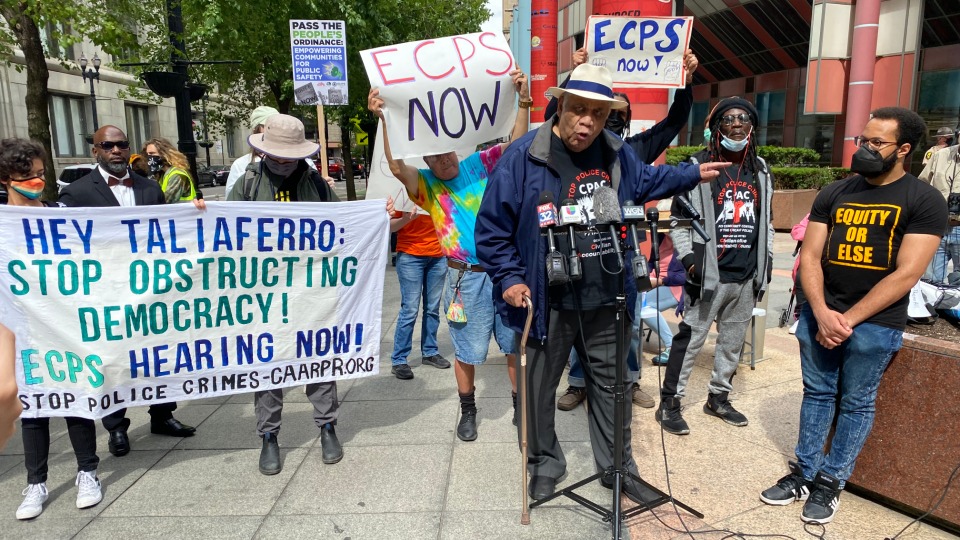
[(590, 82), (283, 138)]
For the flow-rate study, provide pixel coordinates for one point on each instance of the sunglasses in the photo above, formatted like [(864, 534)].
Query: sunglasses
[(108, 145), (729, 119)]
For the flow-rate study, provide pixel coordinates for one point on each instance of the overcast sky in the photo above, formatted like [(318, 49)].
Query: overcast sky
[(495, 23)]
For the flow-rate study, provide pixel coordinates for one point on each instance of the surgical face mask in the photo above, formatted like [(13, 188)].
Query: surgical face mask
[(155, 163), (706, 135), (280, 169), (734, 145), (616, 123), (31, 188), (870, 163)]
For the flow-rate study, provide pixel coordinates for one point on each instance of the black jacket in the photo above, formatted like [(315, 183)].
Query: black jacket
[(92, 190)]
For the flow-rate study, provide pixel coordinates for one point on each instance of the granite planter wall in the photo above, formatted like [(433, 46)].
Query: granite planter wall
[(790, 206), (915, 442)]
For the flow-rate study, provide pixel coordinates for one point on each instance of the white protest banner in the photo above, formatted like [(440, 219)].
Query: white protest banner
[(319, 50), (444, 94), (641, 52), (382, 183), (116, 307)]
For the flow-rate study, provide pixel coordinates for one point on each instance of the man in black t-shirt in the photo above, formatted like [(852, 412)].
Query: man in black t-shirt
[(869, 240), (728, 273)]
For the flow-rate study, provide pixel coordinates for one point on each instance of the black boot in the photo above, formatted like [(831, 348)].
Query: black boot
[(516, 418), (332, 451), (718, 405), (270, 455), (668, 414), (467, 428)]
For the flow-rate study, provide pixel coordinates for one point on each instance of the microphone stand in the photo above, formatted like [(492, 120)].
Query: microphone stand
[(618, 472)]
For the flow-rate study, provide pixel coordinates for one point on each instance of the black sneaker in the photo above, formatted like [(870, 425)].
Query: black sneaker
[(467, 428), (436, 361), (790, 488), (824, 500), (670, 418), (718, 405), (402, 371)]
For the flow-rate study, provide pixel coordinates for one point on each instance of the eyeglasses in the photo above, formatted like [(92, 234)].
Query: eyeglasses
[(729, 119), (108, 145), (875, 143)]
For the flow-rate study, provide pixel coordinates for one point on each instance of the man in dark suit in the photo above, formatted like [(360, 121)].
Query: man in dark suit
[(113, 184)]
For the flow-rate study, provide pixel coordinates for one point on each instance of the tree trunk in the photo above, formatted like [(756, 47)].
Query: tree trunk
[(38, 97)]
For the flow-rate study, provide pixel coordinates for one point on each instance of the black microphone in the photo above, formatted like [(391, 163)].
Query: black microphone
[(606, 207), (653, 215), (691, 212), (641, 271), (547, 218), (571, 214)]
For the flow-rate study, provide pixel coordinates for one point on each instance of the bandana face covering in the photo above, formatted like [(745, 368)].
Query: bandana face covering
[(31, 188)]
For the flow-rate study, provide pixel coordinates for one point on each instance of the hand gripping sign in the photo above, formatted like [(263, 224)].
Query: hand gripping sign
[(640, 52), (444, 94)]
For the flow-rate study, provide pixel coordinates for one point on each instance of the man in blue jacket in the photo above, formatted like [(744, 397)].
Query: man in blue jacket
[(573, 156)]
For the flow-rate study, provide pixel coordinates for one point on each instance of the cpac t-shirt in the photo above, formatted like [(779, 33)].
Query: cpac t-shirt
[(736, 201), (866, 225), (581, 173)]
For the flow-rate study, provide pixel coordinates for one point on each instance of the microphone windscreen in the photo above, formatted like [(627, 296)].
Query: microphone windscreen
[(546, 197), (606, 205), (653, 214)]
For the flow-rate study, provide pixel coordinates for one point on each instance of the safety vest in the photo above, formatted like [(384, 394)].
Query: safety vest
[(171, 172)]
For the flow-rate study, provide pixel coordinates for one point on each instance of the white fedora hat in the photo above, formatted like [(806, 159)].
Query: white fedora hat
[(590, 82), (283, 138)]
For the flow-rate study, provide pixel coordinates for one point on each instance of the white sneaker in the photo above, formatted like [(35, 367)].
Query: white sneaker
[(89, 489), (793, 327), (33, 498)]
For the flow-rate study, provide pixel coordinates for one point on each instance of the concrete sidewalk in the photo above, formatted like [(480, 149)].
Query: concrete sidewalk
[(405, 475)]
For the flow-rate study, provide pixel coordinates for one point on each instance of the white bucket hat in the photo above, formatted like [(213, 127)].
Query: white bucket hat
[(283, 138), (590, 82)]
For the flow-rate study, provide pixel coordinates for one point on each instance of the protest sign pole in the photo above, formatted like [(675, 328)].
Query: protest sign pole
[(322, 139)]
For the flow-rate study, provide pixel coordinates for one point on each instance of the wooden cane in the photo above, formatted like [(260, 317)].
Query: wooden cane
[(525, 509)]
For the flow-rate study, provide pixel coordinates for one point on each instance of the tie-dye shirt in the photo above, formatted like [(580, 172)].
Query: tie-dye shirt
[(453, 204)]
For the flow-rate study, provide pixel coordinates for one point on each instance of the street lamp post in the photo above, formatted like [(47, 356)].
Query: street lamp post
[(91, 74)]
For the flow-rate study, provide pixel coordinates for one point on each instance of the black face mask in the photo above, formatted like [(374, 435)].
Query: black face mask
[(870, 163), (616, 124)]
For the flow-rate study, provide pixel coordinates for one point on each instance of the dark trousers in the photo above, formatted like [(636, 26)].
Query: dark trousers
[(117, 420), (36, 445), (596, 347)]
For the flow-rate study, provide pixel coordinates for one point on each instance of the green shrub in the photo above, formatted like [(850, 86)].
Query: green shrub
[(679, 154), (801, 177), (778, 156)]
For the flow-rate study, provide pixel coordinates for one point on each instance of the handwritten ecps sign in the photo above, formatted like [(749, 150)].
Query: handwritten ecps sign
[(113, 310), (443, 94), (641, 52)]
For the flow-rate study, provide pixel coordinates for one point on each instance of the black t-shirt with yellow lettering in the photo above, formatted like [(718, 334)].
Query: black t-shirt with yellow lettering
[(866, 225)]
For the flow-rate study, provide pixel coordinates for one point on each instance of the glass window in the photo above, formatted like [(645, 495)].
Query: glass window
[(939, 100), (70, 120), (52, 47), (815, 131), (698, 116), (771, 106), (138, 126)]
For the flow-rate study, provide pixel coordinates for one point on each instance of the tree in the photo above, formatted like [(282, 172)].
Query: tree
[(107, 26), (256, 32)]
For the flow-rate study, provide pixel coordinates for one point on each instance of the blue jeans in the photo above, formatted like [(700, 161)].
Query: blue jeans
[(420, 277), (848, 375), (949, 250), (471, 339), (659, 299)]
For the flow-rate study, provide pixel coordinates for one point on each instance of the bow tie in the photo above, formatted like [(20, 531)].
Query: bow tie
[(113, 181)]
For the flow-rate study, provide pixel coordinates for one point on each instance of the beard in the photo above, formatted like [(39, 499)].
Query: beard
[(116, 169)]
